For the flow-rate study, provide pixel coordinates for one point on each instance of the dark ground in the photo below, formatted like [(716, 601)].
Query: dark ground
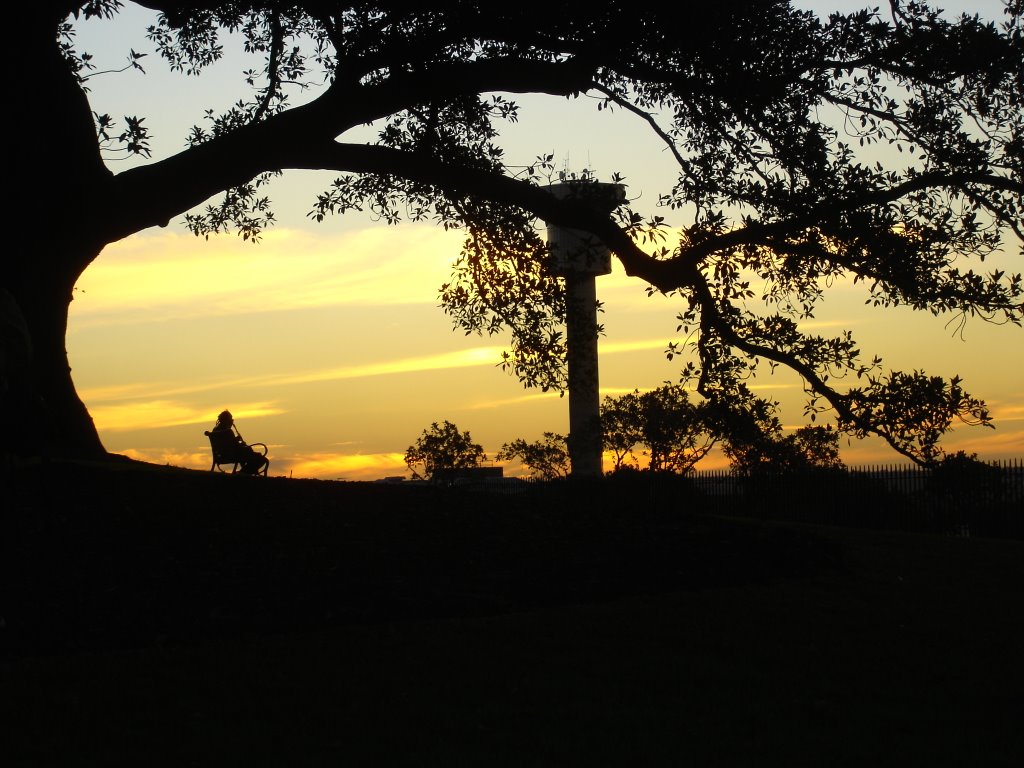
[(154, 616)]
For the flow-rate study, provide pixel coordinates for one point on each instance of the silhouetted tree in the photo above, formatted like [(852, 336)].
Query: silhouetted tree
[(442, 447), (966, 480), (770, 114), (673, 431), (547, 458), (755, 442), (622, 428), (817, 446)]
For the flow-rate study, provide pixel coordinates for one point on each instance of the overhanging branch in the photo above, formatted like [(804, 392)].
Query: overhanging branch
[(712, 317)]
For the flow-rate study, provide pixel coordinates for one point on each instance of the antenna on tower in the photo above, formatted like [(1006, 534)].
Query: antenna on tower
[(568, 176)]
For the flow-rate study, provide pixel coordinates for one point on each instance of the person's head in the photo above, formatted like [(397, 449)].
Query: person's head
[(225, 419)]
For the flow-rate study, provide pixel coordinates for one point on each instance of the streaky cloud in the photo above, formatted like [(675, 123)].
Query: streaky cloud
[(343, 466), (464, 358), (172, 275), (159, 414)]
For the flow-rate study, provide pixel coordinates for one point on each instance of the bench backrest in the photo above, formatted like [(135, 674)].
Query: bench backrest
[(225, 446)]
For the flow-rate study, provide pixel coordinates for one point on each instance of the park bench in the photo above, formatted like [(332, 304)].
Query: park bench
[(228, 450)]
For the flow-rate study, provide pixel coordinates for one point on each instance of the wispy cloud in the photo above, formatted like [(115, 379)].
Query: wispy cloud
[(618, 347), (1007, 412), (463, 358), (157, 414), (778, 385), (605, 392), (1001, 444), (505, 402), (173, 275), (341, 466)]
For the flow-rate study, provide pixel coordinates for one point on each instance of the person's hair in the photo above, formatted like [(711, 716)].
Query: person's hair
[(224, 417)]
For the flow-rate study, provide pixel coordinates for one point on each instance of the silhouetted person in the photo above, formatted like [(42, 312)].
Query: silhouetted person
[(252, 461)]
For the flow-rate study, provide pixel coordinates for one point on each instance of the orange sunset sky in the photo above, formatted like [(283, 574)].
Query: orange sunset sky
[(326, 341)]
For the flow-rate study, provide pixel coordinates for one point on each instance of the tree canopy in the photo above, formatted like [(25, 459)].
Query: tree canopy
[(773, 117), (754, 442), (442, 448), (674, 433), (547, 458)]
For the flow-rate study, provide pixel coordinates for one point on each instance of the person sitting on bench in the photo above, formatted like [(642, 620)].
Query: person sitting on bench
[(251, 460)]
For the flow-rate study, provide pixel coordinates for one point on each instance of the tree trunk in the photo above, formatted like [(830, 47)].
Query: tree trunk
[(59, 203), (44, 415)]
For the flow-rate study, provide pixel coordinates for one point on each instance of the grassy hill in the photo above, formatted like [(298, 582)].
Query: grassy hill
[(158, 616)]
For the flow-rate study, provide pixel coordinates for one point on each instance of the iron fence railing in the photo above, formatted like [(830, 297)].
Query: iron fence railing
[(965, 499)]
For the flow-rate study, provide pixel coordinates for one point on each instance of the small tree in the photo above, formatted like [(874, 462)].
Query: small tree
[(440, 448), (754, 441), (817, 446), (622, 428), (965, 480), (675, 430), (547, 459), (672, 430)]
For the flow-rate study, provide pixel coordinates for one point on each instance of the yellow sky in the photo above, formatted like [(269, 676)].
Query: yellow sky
[(326, 341), (338, 358)]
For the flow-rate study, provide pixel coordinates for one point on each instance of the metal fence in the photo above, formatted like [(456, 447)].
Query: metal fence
[(960, 499), (955, 499)]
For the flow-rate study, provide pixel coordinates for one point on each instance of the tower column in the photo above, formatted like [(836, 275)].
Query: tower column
[(585, 444), (580, 257)]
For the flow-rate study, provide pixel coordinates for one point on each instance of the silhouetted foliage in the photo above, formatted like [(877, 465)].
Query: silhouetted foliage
[(621, 420), (754, 441), (961, 476), (442, 447), (672, 431), (547, 458), (817, 446), (882, 149)]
